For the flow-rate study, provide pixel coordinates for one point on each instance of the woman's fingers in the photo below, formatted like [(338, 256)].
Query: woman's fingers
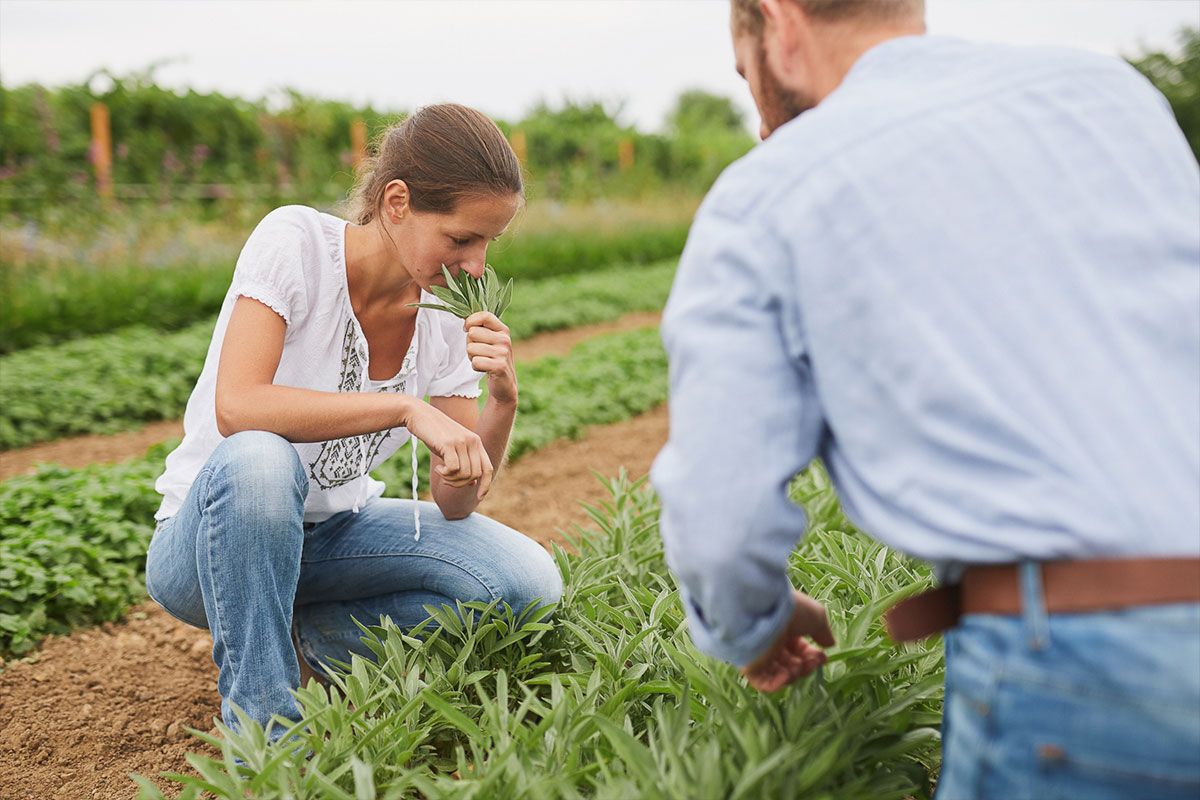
[(450, 462), (488, 357), (467, 462), (486, 336), (486, 320), (480, 364), (486, 350), (476, 461), (485, 480)]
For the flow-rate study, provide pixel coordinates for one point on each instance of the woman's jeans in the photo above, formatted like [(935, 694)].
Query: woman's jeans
[(238, 558), (1103, 706)]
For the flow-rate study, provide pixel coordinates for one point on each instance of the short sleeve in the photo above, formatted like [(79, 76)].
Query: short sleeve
[(455, 376), (270, 268)]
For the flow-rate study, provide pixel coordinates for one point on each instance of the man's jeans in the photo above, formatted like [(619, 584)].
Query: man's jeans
[(238, 558), (1103, 706)]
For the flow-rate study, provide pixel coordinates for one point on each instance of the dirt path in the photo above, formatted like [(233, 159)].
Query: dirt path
[(80, 451), (105, 702)]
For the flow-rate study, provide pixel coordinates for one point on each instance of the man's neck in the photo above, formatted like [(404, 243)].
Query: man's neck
[(843, 44)]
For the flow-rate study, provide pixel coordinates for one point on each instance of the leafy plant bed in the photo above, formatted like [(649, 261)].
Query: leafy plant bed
[(606, 697), (120, 380)]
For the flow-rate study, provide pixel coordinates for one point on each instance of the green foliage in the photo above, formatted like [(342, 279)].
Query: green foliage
[(603, 380), (546, 254), (217, 149), (1177, 76), (41, 305), (99, 385), (469, 295), (119, 380), (698, 110), (72, 545), (573, 300), (164, 141), (608, 698)]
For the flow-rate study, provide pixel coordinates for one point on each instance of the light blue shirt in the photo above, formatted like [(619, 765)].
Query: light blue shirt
[(969, 281)]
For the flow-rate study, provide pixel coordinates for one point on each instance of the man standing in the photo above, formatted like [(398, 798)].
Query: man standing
[(968, 278)]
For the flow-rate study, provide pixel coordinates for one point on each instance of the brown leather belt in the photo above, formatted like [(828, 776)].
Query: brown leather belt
[(1069, 587)]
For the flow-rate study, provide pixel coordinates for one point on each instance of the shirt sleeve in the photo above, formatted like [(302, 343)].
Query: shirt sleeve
[(456, 377), (270, 268), (744, 421)]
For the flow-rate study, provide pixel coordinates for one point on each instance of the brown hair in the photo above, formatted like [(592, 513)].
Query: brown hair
[(444, 153), (747, 14)]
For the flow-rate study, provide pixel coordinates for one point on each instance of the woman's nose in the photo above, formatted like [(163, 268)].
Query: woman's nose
[(474, 267)]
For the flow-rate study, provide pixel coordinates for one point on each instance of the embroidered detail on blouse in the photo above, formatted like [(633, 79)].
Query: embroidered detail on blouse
[(344, 460), (353, 358)]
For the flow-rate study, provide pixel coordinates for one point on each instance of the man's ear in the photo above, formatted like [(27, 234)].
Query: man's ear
[(395, 200), (782, 20)]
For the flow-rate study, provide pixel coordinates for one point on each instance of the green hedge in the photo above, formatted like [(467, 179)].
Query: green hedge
[(41, 305)]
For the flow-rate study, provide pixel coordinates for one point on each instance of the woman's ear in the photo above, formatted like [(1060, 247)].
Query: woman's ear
[(395, 200)]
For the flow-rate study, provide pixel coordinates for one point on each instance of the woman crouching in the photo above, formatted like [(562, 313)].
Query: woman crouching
[(317, 372)]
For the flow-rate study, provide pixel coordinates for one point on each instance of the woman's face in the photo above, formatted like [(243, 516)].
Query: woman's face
[(427, 240)]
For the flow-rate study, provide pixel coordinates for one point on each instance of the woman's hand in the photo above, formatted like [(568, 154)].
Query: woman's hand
[(464, 458), (489, 347)]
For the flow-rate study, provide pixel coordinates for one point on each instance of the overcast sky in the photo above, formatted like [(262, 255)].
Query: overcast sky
[(501, 56)]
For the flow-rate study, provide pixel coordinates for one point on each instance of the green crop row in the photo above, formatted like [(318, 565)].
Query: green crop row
[(605, 697), (117, 381), (41, 306), (72, 547), (73, 542)]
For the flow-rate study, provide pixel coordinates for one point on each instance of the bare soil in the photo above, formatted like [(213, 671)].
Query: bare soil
[(80, 451), (101, 703)]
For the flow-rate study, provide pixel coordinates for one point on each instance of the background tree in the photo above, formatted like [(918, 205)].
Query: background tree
[(1177, 76), (697, 109)]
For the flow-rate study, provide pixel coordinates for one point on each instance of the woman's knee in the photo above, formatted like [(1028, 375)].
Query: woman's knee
[(532, 576), (262, 466)]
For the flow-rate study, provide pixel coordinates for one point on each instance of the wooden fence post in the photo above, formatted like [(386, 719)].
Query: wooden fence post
[(358, 142), (102, 150), (518, 144), (625, 154)]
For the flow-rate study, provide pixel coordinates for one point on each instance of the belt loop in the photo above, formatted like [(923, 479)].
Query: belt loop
[(1033, 605)]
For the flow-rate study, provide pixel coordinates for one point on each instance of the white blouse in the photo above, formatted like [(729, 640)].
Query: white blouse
[(295, 263)]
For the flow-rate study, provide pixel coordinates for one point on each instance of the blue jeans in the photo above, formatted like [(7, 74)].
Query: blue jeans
[(1103, 706), (238, 559)]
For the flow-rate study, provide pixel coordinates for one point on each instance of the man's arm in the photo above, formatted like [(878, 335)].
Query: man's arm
[(744, 420)]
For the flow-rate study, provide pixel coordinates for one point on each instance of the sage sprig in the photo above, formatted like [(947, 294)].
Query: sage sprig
[(469, 295)]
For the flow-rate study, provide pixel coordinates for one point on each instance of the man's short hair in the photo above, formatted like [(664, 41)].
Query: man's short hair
[(747, 14)]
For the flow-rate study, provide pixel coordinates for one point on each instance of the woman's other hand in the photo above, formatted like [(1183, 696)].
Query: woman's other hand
[(489, 346), (464, 460)]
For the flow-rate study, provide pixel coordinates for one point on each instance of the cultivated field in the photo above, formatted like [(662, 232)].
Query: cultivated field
[(601, 697)]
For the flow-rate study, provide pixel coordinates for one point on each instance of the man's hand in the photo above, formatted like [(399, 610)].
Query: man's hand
[(792, 656)]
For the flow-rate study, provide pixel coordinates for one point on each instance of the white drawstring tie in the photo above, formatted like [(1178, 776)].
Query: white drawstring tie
[(416, 503)]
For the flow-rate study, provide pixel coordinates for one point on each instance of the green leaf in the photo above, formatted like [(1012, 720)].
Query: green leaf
[(452, 715)]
